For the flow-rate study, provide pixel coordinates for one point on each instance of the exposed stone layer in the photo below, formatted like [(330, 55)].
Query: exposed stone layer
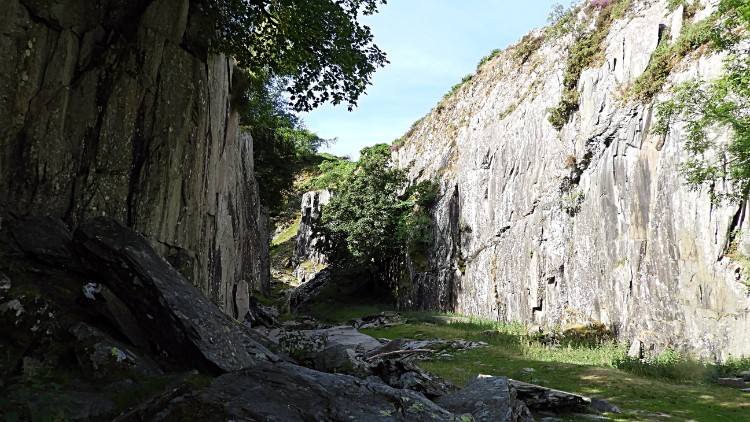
[(308, 258), (114, 108), (591, 222)]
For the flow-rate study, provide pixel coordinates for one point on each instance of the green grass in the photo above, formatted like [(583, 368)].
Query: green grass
[(582, 366), (286, 234)]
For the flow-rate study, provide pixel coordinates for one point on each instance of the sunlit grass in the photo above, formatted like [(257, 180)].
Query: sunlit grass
[(684, 394), (287, 233)]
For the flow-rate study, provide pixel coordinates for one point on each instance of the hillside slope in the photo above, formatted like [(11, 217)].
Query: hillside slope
[(589, 222)]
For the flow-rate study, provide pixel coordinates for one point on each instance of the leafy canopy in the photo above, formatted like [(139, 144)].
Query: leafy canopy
[(722, 167), (377, 215), (281, 142), (318, 44)]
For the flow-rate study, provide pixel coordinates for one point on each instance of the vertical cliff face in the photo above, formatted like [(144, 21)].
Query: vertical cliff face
[(115, 108), (308, 258), (553, 227)]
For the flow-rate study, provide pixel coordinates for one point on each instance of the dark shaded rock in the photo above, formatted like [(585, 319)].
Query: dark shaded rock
[(338, 359), (400, 374), (114, 310), (310, 289), (288, 393), (604, 406), (76, 405), (101, 356), (538, 397), (177, 317), (87, 405), (257, 314), (745, 375), (488, 399), (48, 239), (732, 382), (158, 401)]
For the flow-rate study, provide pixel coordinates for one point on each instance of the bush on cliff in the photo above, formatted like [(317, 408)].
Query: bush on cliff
[(725, 102)]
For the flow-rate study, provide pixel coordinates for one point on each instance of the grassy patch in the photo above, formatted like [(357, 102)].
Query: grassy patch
[(488, 57), (286, 234), (646, 390), (457, 86)]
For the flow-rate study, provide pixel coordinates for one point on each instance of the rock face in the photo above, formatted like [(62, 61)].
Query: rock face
[(114, 108), (592, 221), (308, 259)]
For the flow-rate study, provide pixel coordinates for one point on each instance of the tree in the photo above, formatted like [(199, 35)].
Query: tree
[(376, 216), (318, 44), (282, 143), (722, 167)]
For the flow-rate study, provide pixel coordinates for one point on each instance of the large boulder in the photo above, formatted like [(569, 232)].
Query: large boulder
[(488, 399), (48, 239), (179, 320)]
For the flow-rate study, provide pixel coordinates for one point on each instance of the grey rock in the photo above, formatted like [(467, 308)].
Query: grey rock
[(288, 393), (337, 359), (604, 406), (745, 375), (487, 399), (177, 317), (47, 239), (308, 258), (538, 397), (636, 349), (732, 382), (100, 355), (400, 374), (591, 417)]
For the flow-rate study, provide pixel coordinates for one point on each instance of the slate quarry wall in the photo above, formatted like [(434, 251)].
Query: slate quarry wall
[(115, 108), (593, 221)]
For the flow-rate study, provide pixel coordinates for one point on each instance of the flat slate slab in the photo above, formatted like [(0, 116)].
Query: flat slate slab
[(178, 318)]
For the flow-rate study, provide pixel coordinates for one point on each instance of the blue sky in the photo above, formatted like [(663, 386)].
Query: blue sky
[(431, 45)]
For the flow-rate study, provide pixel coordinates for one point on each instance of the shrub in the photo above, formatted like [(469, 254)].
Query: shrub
[(528, 46), (666, 55), (488, 57), (584, 53), (457, 86)]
